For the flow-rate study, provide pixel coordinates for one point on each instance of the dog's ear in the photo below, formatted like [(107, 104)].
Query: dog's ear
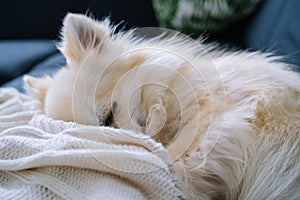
[(80, 34), (37, 87)]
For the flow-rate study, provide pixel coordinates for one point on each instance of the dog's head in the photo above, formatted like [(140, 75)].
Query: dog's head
[(113, 79), (91, 58)]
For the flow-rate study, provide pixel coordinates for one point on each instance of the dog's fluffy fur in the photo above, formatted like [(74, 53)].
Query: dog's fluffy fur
[(230, 120)]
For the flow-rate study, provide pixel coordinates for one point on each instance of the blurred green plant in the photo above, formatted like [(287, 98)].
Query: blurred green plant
[(192, 16)]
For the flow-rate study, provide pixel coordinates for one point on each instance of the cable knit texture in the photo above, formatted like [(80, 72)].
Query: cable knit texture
[(42, 158)]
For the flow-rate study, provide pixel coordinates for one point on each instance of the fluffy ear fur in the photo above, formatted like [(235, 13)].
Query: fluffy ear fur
[(37, 87), (81, 34)]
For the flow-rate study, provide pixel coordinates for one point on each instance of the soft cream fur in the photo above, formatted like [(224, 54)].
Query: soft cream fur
[(230, 120)]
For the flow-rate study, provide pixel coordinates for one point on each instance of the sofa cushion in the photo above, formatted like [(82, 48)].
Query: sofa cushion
[(19, 56), (275, 28), (48, 67)]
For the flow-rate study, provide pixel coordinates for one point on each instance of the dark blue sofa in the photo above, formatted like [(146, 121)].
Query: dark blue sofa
[(30, 30)]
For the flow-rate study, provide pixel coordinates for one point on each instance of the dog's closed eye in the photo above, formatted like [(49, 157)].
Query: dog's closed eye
[(107, 118)]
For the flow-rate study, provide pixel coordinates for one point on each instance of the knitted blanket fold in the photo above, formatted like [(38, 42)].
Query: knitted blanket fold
[(42, 158)]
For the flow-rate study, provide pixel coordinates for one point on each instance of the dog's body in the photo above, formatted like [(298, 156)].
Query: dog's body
[(229, 120)]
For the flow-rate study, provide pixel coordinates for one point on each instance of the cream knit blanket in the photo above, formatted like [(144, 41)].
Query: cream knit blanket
[(42, 158)]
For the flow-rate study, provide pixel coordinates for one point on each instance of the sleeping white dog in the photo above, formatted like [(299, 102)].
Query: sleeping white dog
[(230, 120)]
